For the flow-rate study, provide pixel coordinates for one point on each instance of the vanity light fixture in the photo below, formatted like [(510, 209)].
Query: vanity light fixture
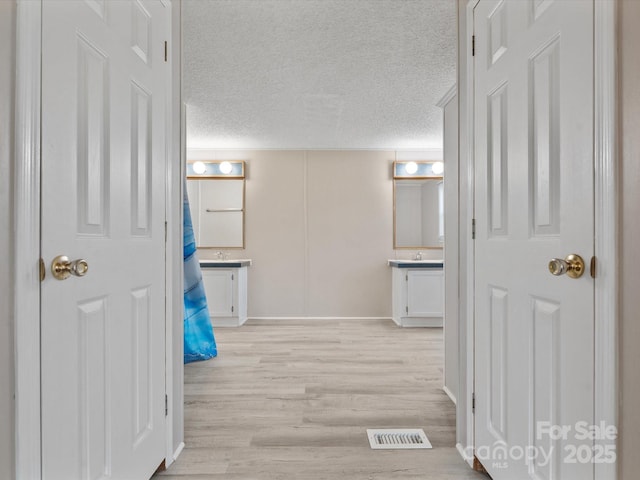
[(215, 169), (417, 169), (226, 168), (199, 168), (411, 167)]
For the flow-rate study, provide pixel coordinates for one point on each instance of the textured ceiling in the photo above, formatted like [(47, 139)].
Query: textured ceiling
[(315, 74)]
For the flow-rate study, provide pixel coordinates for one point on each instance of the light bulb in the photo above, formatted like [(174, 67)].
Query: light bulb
[(199, 168), (437, 168), (411, 168), (226, 168)]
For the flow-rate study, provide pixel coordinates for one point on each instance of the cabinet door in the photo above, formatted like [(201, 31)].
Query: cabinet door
[(218, 285), (425, 293)]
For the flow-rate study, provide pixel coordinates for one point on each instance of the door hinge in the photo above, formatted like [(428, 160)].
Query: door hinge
[(406, 277), (231, 308), (473, 45), (232, 276), (166, 51), (473, 229), (593, 267), (166, 228), (166, 405), (473, 403), (406, 309)]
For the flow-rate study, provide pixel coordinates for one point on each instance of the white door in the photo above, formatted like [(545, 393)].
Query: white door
[(534, 333), (104, 95)]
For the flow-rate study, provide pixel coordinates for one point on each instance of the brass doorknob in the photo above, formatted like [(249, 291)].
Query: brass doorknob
[(573, 266), (62, 267)]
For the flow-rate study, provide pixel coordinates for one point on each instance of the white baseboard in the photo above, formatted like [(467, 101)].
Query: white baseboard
[(411, 322), (178, 451), (449, 394), (259, 319), (227, 322)]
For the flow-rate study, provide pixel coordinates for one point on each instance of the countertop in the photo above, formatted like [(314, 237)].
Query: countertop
[(416, 263), (219, 263)]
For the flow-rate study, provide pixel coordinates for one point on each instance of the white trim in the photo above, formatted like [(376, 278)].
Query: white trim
[(227, 322), (449, 394), (305, 226), (303, 318), (465, 432), (170, 245), (178, 451), (606, 223), (178, 327), (26, 239), (448, 96)]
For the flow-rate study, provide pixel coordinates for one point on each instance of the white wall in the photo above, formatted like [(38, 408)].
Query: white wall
[(7, 72), (319, 231), (629, 279)]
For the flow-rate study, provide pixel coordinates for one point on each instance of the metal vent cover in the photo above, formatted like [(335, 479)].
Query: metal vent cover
[(397, 438)]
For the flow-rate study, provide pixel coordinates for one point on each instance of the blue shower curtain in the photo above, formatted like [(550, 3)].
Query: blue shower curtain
[(199, 342)]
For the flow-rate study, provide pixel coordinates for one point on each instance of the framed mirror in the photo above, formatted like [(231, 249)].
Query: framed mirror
[(418, 205), (216, 192)]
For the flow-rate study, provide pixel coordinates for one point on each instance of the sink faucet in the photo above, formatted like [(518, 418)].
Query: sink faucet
[(418, 256)]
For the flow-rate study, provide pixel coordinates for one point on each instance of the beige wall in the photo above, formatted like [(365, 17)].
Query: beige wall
[(350, 219), (629, 280), (7, 72), (319, 231)]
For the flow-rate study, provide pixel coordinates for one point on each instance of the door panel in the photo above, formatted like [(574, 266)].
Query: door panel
[(104, 94), (544, 120), (497, 406), (533, 201)]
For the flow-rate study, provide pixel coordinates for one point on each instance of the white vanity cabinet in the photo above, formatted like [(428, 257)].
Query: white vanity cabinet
[(417, 293), (225, 284)]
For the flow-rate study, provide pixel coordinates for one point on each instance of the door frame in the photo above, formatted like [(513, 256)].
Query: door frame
[(605, 231), (26, 236)]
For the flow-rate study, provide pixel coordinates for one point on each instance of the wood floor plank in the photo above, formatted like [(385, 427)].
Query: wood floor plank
[(292, 399)]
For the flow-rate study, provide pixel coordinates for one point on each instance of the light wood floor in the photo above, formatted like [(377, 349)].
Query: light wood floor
[(293, 399)]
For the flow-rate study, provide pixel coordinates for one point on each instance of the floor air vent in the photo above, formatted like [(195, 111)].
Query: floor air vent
[(397, 438)]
